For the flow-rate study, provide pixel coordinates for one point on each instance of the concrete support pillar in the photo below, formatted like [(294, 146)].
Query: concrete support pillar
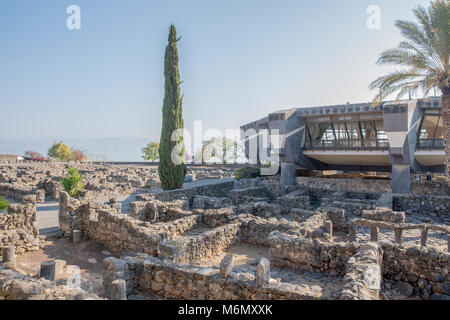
[(424, 237), (287, 176), (398, 234), (401, 179), (374, 233), (48, 270)]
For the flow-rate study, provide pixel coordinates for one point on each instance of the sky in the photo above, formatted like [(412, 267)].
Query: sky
[(239, 61)]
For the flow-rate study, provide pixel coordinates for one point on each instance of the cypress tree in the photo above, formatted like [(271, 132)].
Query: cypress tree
[(172, 154)]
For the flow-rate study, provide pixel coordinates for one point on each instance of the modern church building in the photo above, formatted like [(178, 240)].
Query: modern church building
[(401, 137)]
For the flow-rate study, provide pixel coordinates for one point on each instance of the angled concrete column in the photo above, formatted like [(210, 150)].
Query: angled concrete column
[(287, 176), (401, 122), (401, 178)]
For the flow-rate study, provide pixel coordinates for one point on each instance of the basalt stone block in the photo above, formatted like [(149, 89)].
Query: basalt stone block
[(77, 236), (117, 290), (263, 272), (226, 266), (9, 254), (48, 270), (59, 267)]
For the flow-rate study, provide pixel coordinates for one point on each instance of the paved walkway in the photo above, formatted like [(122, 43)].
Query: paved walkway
[(47, 216)]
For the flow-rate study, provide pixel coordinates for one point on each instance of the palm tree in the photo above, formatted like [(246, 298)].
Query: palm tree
[(424, 56)]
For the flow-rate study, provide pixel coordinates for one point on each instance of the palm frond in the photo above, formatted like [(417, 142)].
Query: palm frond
[(424, 53), (399, 56)]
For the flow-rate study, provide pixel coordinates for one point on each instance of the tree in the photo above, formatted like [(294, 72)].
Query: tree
[(424, 56), (33, 155), (151, 151), (72, 182), (219, 150), (77, 154), (172, 163), (59, 151)]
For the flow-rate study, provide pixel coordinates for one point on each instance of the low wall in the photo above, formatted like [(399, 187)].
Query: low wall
[(366, 185), (17, 286), (15, 191), (424, 205), (239, 196), (217, 190), (353, 208), (425, 269), (363, 278), (155, 210), (18, 226), (203, 246), (191, 283), (118, 231), (308, 254), (290, 202), (256, 230)]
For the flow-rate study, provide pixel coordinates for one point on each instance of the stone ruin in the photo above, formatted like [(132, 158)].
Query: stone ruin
[(318, 241)]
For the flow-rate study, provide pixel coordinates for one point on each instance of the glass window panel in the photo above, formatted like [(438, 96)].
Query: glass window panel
[(432, 127)]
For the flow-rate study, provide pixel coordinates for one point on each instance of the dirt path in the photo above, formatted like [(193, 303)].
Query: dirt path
[(87, 255)]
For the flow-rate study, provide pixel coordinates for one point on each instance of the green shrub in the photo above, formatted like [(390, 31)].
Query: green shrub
[(4, 204), (72, 182), (59, 151), (247, 172)]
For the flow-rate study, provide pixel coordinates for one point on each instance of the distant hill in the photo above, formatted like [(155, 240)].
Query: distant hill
[(110, 149), (8, 157)]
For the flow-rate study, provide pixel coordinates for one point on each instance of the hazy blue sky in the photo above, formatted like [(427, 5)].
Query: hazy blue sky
[(239, 59)]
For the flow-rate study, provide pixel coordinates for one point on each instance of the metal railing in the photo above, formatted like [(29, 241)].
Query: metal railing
[(430, 144), (339, 145)]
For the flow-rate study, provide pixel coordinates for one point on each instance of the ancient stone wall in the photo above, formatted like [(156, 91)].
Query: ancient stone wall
[(239, 196), (192, 283), (290, 202), (18, 226), (119, 231), (216, 217), (363, 279), (16, 286), (424, 205), (380, 186), (310, 254), (256, 230), (417, 269), (199, 247), (15, 191), (155, 210), (353, 207), (217, 190)]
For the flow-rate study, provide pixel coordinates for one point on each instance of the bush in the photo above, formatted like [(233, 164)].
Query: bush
[(4, 204), (59, 151), (247, 172), (77, 155), (150, 151), (72, 182), (34, 156)]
